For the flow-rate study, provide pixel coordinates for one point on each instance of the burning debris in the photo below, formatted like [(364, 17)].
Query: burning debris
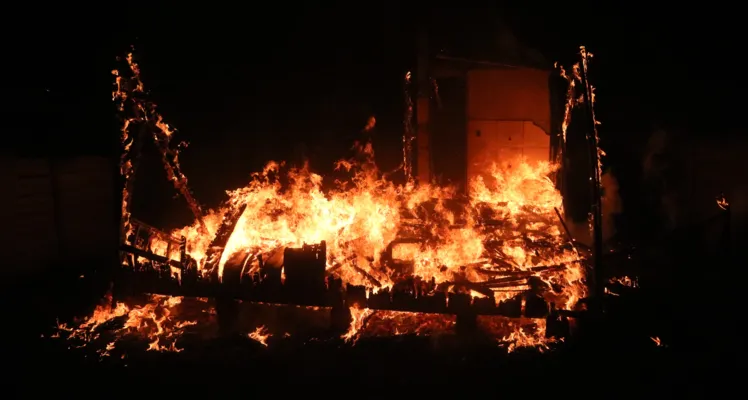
[(260, 335), (386, 258), (154, 323)]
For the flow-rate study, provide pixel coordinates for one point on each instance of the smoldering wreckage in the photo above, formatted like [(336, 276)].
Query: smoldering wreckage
[(369, 258)]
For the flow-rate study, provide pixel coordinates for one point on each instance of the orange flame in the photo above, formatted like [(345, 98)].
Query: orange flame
[(507, 227)]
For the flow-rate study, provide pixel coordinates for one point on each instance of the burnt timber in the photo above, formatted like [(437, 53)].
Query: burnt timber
[(308, 283), (333, 294)]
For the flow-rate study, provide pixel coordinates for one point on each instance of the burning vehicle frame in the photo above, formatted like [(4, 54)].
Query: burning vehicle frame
[(307, 277)]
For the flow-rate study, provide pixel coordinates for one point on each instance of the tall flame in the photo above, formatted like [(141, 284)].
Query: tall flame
[(508, 224)]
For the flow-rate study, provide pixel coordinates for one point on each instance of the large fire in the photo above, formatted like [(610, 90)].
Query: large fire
[(506, 238), (358, 221)]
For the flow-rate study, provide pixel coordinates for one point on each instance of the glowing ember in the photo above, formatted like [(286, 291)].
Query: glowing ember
[(260, 335), (657, 341), (625, 281)]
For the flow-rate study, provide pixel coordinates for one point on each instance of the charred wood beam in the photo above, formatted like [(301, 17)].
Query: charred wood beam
[(175, 175), (150, 256), (367, 275), (133, 102), (134, 160), (439, 301), (408, 134), (528, 271), (566, 228), (505, 282), (153, 230), (334, 268), (595, 175), (371, 278), (154, 283), (424, 166), (301, 286)]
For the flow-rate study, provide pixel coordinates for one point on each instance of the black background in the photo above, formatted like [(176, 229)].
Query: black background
[(245, 85)]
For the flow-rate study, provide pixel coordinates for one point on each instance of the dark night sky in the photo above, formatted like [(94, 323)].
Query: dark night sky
[(244, 84)]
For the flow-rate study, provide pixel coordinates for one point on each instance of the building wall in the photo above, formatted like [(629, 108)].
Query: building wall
[(56, 212), (508, 117)]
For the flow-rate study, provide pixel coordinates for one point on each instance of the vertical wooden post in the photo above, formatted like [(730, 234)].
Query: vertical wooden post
[(408, 136), (595, 175), (422, 109), (129, 181)]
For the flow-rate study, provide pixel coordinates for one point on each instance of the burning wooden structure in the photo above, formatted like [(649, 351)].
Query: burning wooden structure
[(304, 281), (496, 253)]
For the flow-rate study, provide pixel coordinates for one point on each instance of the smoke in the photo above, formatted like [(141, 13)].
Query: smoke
[(611, 204), (655, 164), (652, 165)]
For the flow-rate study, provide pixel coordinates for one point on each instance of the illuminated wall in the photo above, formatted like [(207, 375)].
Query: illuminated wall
[(508, 117)]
